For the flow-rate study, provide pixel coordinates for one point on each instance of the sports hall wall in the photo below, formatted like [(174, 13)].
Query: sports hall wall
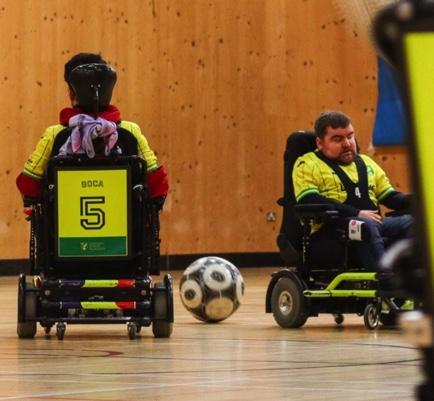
[(216, 86)]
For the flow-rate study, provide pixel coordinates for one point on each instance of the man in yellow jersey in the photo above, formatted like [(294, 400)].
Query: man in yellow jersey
[(354, 184), (129, 139)]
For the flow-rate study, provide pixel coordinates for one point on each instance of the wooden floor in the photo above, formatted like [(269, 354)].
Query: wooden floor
[(246, 357)]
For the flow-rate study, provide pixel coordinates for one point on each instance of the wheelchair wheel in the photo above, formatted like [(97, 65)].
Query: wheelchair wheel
[(60, 330), (132, 330), (288, 303), (371, 316), (339, 318), (26, 310), (47, 330), (162, 327)]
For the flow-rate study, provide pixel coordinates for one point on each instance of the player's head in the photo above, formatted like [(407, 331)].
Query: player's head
[(75, 61), (335, 136)]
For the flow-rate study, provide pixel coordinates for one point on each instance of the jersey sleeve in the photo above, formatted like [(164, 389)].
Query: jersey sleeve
[(303, 177), (144, 149), (36, 163)]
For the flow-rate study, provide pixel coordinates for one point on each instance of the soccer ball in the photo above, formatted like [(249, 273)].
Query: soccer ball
[(211, 289)]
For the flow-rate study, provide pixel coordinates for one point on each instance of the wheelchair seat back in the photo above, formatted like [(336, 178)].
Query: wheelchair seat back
[(96, 221), (289, 239)]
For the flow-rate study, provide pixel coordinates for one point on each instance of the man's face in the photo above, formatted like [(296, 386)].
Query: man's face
[(338, 144)]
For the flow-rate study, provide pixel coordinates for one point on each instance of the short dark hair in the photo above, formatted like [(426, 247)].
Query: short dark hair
[(333, 119), (80, 59)]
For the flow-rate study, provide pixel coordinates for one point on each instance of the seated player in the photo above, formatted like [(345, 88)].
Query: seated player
[(82, 131), (354, 184)]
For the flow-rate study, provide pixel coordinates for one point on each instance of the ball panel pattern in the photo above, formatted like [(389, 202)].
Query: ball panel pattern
[(191, 294)]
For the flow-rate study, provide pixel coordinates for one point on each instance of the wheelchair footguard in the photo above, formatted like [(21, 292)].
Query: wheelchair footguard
[(292, 300), (93, 250), (135, 302)]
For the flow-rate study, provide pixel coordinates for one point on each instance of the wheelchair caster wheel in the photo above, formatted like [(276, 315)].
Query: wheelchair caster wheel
[(371, 316), (47, 330), (60, 330), (339, 318), (132, 330), (139, 329)]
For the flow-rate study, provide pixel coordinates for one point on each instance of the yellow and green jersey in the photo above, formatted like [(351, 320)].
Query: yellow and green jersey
[(313, 176), (36, 164)]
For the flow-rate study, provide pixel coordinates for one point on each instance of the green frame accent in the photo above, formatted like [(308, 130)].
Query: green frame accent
[(331, 291), (99, 305), (100, 283)]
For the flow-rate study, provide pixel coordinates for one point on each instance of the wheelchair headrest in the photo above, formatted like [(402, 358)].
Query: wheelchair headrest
[(299, 143), (93, 85)]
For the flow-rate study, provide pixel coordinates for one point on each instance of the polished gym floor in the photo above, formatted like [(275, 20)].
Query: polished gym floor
[(246, 357)]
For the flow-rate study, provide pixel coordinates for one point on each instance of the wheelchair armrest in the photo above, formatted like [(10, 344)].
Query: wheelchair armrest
[(316, 213)]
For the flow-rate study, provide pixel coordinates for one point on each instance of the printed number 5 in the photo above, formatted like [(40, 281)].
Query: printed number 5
[(94, 217)]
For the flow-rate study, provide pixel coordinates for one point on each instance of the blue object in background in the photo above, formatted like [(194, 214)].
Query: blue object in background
[(390, 122)]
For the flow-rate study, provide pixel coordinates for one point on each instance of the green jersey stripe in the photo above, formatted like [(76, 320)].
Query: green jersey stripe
[(306, 192), (385, 193)]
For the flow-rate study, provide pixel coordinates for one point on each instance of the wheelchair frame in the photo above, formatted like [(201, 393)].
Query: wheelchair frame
[(298, 292), (95, 288)]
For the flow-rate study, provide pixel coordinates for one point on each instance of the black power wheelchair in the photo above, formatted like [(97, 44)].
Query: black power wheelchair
[(94, 245), (321, 277)]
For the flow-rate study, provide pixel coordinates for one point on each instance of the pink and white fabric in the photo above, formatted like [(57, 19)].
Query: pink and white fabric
[(84, 130)]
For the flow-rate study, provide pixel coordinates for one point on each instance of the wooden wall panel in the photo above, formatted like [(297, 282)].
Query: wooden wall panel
[(216, 85)]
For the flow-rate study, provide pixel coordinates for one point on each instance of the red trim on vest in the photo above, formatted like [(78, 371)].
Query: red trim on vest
[(111, 114)]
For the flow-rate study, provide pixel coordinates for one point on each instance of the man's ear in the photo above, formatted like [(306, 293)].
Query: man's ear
[(318, 141)]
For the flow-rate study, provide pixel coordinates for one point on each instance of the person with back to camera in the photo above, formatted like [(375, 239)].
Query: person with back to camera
[(354, 184), (79, 131)]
